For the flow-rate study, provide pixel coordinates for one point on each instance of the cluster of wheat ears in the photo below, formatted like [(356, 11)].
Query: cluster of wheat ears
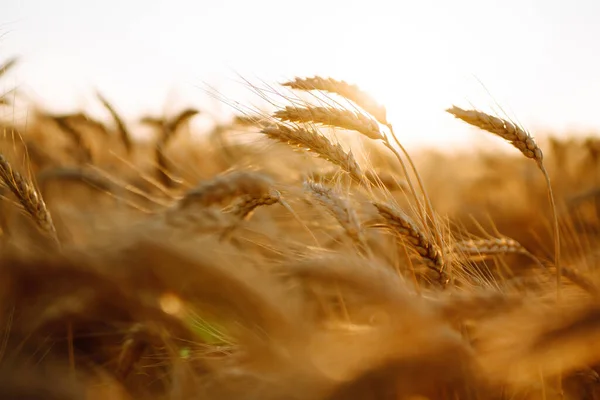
[(209, 268)]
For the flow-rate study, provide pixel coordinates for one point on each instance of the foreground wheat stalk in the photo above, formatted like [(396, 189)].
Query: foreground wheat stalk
[(331, 116), (418, 239), (344, 89), (523, 141), (313, 141), (28, 198)]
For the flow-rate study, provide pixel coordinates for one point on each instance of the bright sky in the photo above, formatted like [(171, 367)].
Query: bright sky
[(540, 59)]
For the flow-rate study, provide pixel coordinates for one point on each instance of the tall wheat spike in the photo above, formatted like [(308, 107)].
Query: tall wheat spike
[(8, 65), (523, 141)]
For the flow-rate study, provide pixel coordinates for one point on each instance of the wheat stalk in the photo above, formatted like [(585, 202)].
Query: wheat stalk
[(340, 209), (121, 127), (246, 206), (523, 141), (28, 197), (180, 119), (488, 246), (419, 240), (344, 89), (76, 136), (4, 68), (311, 140), (170, 126), (225, 188), (331, 116), (517, 136)]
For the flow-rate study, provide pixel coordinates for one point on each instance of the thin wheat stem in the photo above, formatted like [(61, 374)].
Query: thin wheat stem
[(556, 229)]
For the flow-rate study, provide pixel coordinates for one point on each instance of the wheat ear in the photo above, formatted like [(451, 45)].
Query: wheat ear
[(344, 89), (523, 141), (340, 209), (28, 197), (488, 246), (419, 240), (225, 188), (331, 116), (246, 206), (311, 140)]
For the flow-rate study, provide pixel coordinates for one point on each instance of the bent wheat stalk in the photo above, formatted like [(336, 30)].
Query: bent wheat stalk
[(523, 141), (419, 240)]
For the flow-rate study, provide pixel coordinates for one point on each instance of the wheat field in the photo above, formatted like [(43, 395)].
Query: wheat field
[(300, 253)]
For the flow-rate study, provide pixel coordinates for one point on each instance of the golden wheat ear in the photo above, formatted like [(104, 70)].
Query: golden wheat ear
[(313, 141), (340, 209), (410, 233), (344, 89), (225, 188), (523, 141), (330, 116), (29, 198), (507, 130)]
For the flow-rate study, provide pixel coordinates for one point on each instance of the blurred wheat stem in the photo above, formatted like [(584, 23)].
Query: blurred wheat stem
[(523, 141)]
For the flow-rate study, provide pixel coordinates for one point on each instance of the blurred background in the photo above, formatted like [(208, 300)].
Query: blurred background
[(538, 59)]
